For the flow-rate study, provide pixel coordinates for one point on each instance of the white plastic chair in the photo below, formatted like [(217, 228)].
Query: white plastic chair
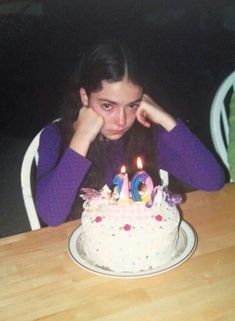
[(219, 124), (30, 158)]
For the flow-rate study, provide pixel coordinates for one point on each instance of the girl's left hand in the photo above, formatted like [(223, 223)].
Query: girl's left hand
[(150, 112)]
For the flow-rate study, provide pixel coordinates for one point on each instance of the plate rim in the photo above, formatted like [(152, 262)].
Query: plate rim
[(185, 228)]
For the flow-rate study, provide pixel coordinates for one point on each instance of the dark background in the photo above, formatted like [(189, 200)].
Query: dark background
[(190, 44)]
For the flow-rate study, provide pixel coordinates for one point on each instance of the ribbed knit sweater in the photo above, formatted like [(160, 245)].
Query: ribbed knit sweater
[(179, 152)]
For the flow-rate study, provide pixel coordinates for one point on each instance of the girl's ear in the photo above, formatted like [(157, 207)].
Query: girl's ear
[(83, 96)]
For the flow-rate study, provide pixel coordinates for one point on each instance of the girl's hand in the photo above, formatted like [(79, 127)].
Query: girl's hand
[(150, 112), (88, 124), (86, 128)]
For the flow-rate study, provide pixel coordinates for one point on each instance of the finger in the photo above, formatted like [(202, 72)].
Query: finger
[(142, 119)]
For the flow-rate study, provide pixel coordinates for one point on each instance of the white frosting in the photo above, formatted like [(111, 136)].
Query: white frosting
[(129, 237)]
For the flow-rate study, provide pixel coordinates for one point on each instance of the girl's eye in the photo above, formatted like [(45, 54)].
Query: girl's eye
[(134, 106), (106, 106)]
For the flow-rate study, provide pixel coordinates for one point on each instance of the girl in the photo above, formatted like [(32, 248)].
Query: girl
[(109, 121)]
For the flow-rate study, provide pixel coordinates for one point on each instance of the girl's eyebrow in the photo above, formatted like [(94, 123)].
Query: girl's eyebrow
[(136, 101), (115, 103), (107, 100)]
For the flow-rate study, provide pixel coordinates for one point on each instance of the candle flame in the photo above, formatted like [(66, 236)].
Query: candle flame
[(139, 163), (123, 169)]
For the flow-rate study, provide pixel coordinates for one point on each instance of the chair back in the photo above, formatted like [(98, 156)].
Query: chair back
[(30, 158), (219, 124)]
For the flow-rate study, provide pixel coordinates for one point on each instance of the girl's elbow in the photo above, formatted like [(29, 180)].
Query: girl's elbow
[(49, 219), (52, 221), (215, 182), (214, 187), (49, 216)]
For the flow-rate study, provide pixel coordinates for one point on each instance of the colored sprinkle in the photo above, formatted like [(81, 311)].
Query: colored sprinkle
[(158, 218), (98, 219), (127, 227)]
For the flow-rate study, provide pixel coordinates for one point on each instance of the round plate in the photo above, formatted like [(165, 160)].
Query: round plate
[(186, 245)]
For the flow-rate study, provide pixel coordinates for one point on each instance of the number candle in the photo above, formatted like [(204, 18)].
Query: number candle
[(141, 184), (122, 183)]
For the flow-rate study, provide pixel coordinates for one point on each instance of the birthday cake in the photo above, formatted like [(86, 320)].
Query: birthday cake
[(127, 235)]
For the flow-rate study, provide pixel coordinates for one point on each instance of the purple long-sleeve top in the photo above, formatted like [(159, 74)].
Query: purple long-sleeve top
[(180, 153)]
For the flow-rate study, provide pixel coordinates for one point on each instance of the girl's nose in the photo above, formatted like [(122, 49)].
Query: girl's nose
[(122, 118)]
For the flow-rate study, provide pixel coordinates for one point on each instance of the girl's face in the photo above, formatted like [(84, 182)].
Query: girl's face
[(117, 103)]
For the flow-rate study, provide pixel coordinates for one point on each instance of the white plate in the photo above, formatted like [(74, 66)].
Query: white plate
[(186, 245)]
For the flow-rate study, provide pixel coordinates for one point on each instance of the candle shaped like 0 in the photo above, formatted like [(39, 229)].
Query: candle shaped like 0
[(141, 184), (122, 183)]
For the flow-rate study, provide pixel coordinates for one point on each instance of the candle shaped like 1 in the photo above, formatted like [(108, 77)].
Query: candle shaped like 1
[(141, 184), (122, 183)]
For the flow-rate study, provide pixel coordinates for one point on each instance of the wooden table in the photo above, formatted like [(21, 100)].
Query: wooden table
[(39, 281)]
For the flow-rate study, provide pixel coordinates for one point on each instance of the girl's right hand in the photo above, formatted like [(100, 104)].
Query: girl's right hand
[(86, 128)]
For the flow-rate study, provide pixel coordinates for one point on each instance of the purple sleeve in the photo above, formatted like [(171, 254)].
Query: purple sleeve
[(182, 154), (57, 185)]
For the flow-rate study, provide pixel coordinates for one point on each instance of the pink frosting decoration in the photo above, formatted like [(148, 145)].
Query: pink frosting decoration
[(98, 219), (158, 218), (127, 227)]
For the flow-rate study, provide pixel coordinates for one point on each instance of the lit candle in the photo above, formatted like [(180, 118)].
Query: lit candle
[(122, 183), (141, 184)]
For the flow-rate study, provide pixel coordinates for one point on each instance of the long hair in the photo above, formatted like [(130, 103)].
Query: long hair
[(110, 61)]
